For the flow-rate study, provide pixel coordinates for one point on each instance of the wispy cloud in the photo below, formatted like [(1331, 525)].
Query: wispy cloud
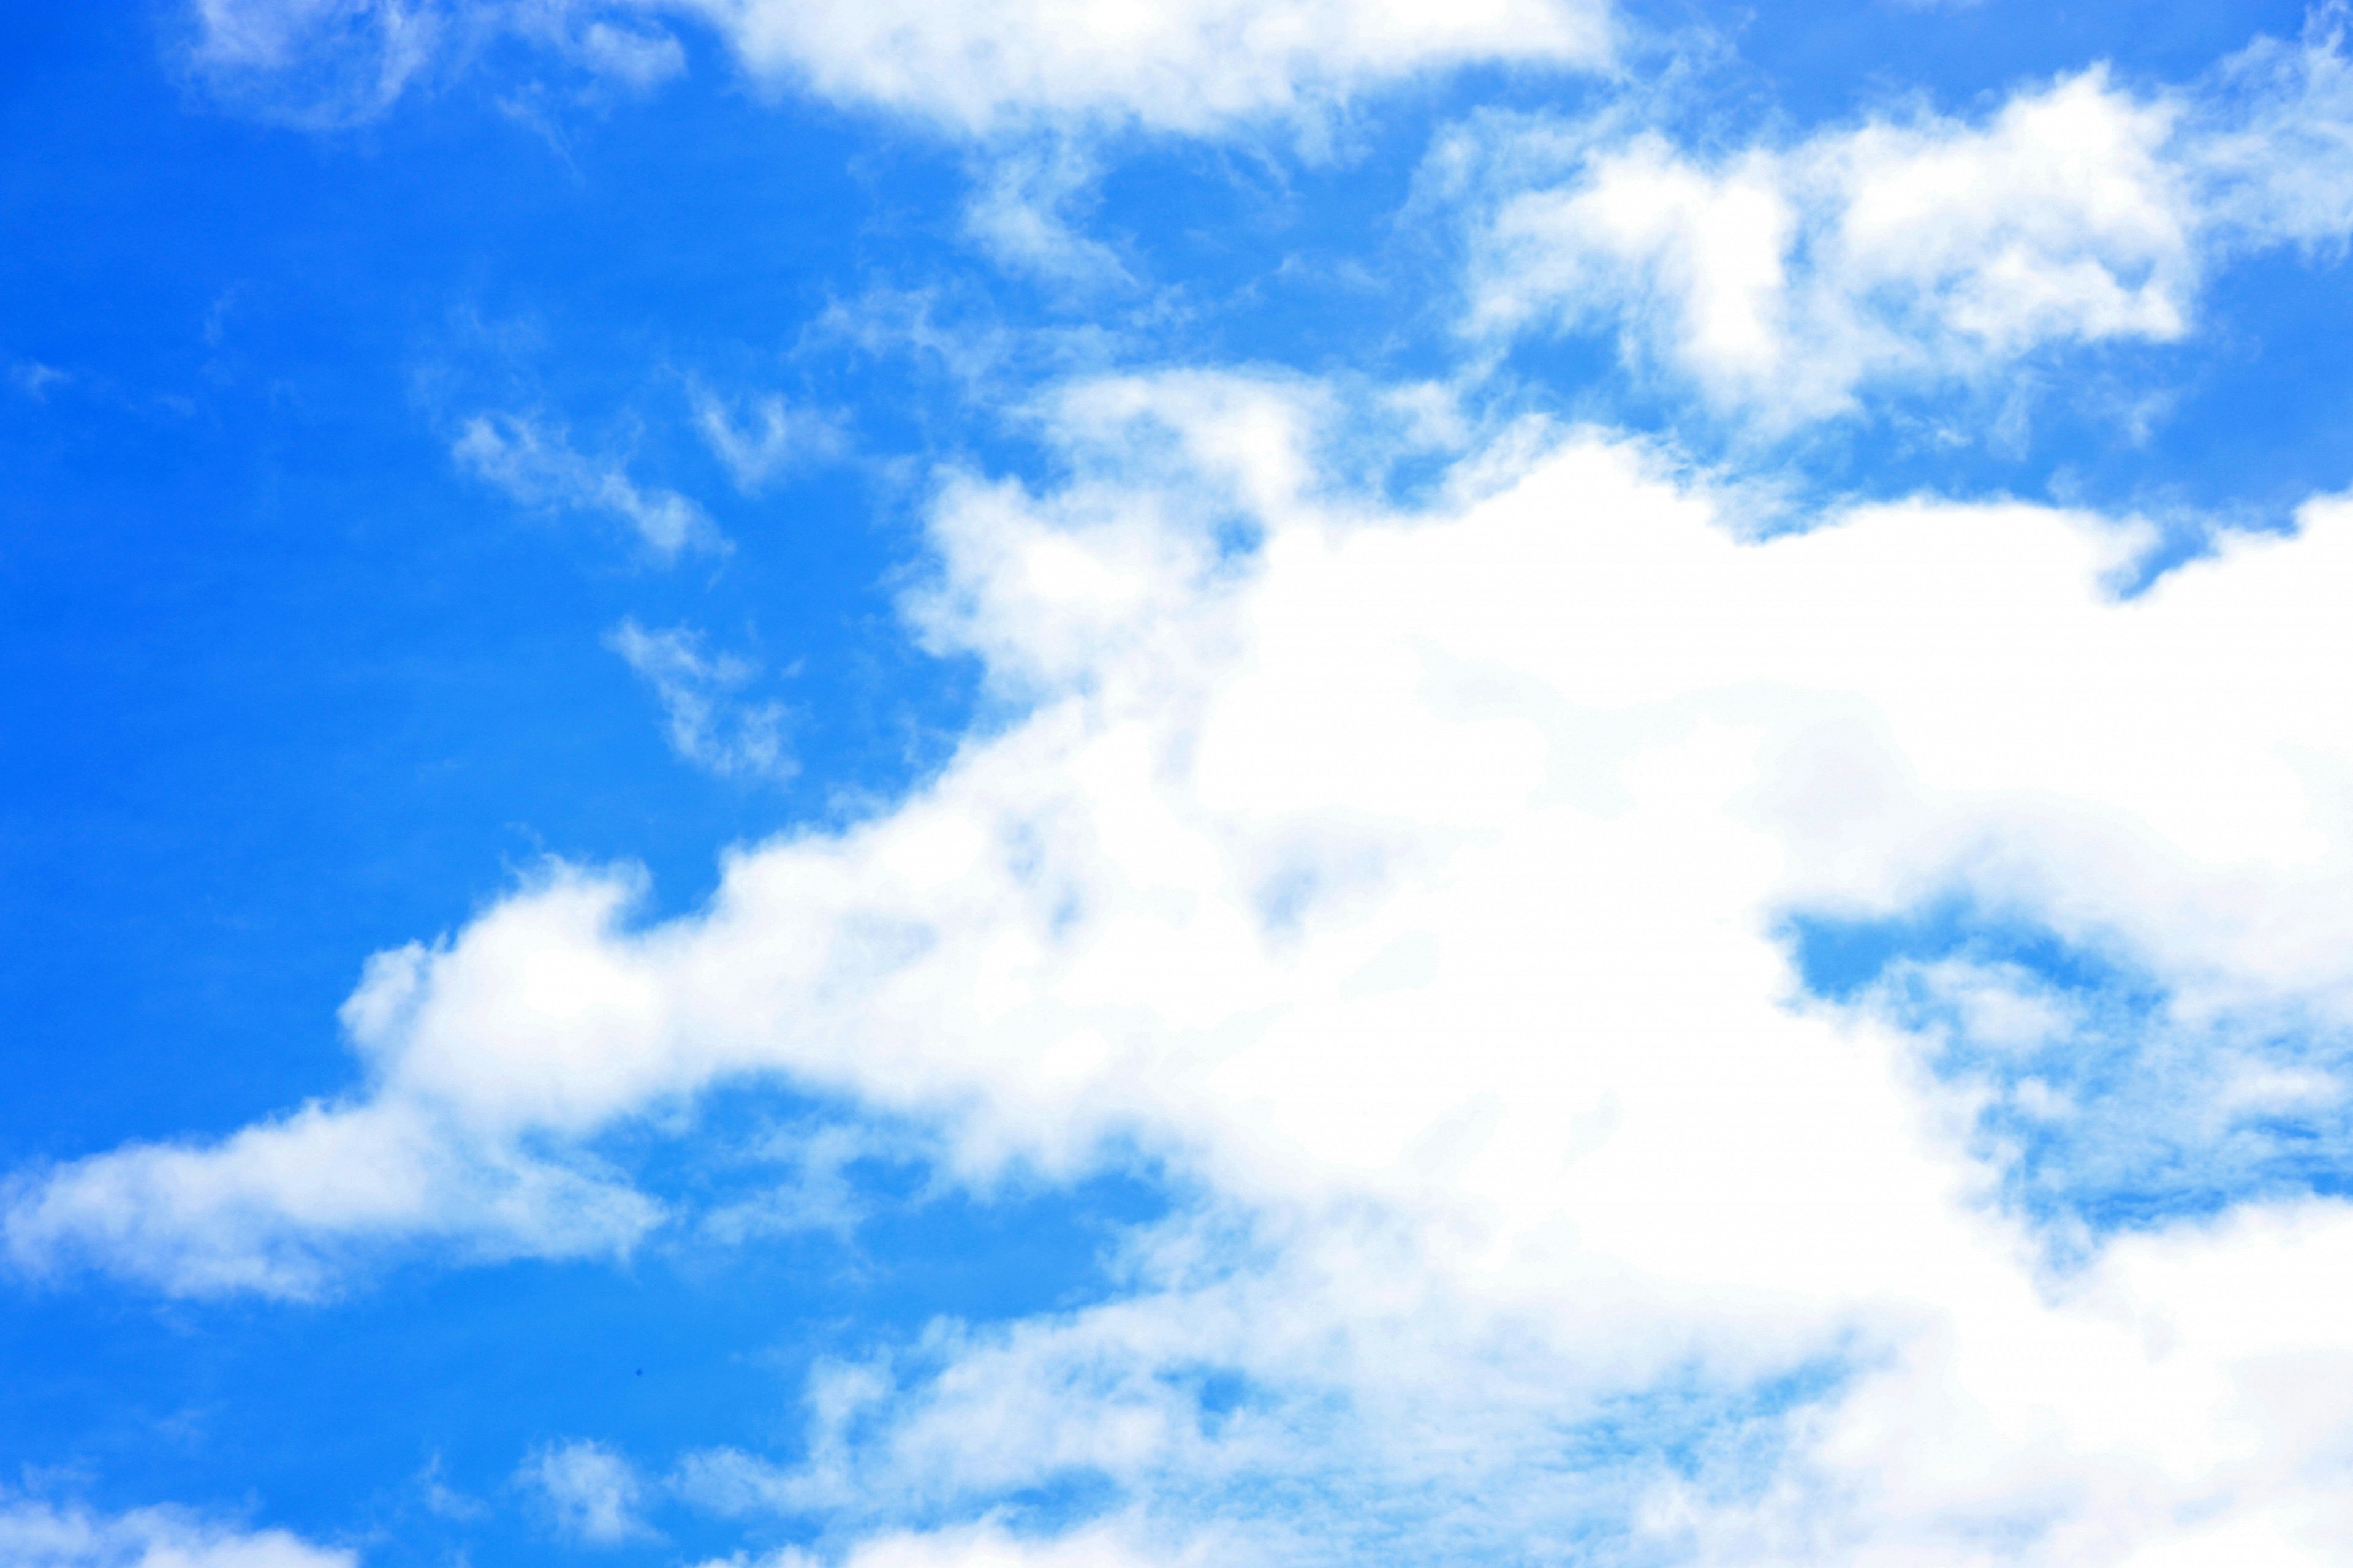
[(1021, 213), (709, 722), (772, 438), (33, 379), (591, 1493), (536, 464)]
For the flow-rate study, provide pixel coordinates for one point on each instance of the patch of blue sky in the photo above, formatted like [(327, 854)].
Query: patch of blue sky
[(241, 555), (2104, 1110)]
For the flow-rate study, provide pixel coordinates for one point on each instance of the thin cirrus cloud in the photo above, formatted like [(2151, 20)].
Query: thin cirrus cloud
[(289, 1207), (327, 64), (1191, 67), (707, 721), (536, 464), (1540, 771), (768, 440), (1784, 281)]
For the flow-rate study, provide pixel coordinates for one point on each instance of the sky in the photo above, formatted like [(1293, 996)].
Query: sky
[(1205, 784)]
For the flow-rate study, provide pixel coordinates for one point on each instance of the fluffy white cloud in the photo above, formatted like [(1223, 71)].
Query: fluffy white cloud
[(537, 465), (1781, 278), (1186, 66), (1193, 65), (285, 1207), (710, 725), (42, 1535), (592, 1492), (1408, 885)]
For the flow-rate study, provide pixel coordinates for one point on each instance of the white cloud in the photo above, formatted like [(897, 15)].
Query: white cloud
[(322, 62), (537, 466), (1195, 67), (2272, 137), (1783, 280), (592, 1492), (987, 1545), (1408, 886), (1020, 214), (442, 1498), (818, 1192), (641, 57), (777, 438), (33, 379), (42, 1535), (286, 1207), (1189, 66), (709, 724), (333, 63)]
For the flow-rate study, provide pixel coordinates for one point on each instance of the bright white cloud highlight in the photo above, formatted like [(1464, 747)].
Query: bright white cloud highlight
[(537, 465), (1408, 886), (591, 1493), (1194, 67), (708, 724), (1189, 66), (1781, 280), (44, 1535)]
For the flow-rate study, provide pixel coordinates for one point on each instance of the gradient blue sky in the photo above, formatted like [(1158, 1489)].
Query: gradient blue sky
[(348, 429)]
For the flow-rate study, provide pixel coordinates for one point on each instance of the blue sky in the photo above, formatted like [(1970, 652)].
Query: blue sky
[(1248, 781)]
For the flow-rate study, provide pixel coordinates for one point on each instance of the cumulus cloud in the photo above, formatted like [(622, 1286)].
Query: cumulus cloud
[(536, 464), (1411, 886), (1194, 67), (591, 1493), (287, 1207), (1781, 278), (42, 1535), (709, 724), (1188, 66)]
